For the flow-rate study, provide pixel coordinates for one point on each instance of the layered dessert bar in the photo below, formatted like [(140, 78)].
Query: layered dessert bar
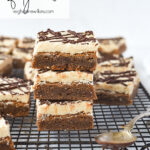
[(109, 46), (23, 52), (29, 72), (6, 50), (64, 115), (21, 55), (115, 64), (5, 65), (7, 44), (65, 50), (116, 88), (26, 42), (5, 138), (14, 97), (67, 85), (8, 41)]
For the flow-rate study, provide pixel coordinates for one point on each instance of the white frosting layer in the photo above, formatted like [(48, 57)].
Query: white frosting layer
[(66, 77), (20, 97), (68, 107), (29, 72), (4, 128), (119, 88), (50, 46), (115, 65), (5, 61), (26, 42), (5, 50), (110, 45)]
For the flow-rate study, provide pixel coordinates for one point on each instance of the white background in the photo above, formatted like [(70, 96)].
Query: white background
[(107, 18)]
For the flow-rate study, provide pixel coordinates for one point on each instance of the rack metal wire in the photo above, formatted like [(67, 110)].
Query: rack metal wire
[(26, 137)]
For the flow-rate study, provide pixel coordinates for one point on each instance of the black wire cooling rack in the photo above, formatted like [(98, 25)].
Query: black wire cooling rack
[(26, 137)]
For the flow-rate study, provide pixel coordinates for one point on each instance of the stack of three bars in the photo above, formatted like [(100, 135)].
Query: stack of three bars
[(63, 84)]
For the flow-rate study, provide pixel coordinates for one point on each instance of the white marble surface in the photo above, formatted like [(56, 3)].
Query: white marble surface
[(129, 18)]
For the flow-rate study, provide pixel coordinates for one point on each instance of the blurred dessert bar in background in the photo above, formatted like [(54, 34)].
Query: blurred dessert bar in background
[(115, 64), (5, 138), (5, 65), (26, 42), (116, 82), (23, 52), (7, 44), (110, 46), (14, 97)]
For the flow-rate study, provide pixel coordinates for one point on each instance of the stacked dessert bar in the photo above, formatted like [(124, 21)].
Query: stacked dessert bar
[(63, 84)]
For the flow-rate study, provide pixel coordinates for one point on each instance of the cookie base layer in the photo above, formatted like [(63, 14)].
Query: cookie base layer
[(14, 109), (64, 61), (58, 91), (117, 98), (18, 63), (6, 71), (6, 144), (67, 122)]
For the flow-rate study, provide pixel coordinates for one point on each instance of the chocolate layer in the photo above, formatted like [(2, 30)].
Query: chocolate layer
[(63, 61), (18, 62), (6, 71), (59, 91), (67, 122), (6, 144), (14, 109)]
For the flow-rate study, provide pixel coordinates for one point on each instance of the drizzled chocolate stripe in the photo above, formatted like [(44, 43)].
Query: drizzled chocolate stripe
[(120, 61), (9, 84), (70, 37), (115, 78)]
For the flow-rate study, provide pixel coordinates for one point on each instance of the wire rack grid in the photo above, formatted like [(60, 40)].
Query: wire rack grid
[(26, 137)]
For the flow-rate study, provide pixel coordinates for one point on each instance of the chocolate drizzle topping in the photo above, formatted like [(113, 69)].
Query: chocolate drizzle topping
[(115, 78), (9, 84), (68, 37), (121, 62)]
